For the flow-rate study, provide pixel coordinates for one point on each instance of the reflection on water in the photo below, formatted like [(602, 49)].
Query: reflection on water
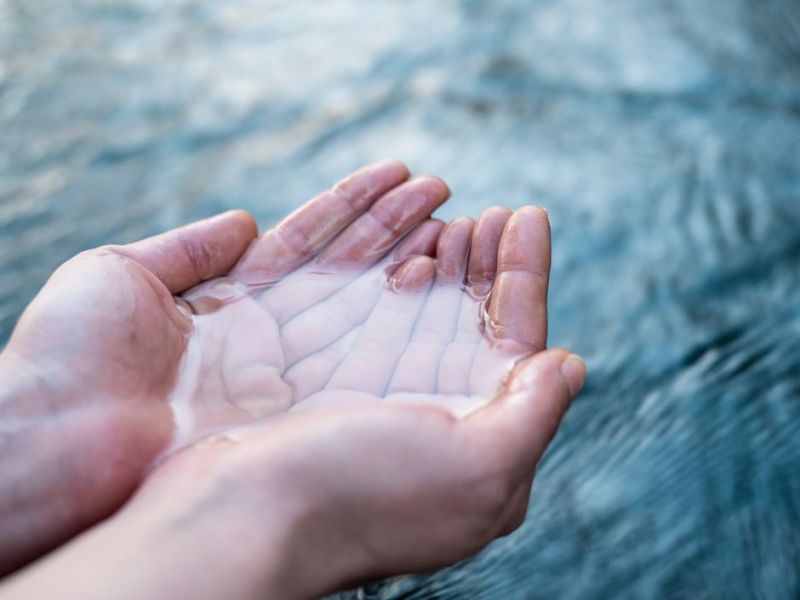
[(662, 136)]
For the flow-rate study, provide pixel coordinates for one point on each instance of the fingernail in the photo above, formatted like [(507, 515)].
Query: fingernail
[(481, 289), (573, 369)]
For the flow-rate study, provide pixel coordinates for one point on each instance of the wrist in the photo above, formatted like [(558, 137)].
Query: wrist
[(264, 536), (165, 543)]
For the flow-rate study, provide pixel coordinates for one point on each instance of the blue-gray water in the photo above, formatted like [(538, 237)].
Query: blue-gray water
[(662, 135)]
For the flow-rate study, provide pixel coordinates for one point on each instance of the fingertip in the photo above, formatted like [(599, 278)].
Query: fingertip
[(460, 229), (496, 212), (529, 216), (392, 164), (371, 181), (457, 229), (392, 169), (533, 209), (437, 183), (555, 368), (243, 220), (573, 369), (415, 274)]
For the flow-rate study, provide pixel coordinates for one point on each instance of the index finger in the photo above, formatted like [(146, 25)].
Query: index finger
[(301, 235), (378, 230)]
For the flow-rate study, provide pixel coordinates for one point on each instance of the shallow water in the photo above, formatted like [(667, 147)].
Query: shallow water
[(662, 136)]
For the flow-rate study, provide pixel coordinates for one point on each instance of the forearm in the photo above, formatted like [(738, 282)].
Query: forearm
[(138, 559), (178, 545)]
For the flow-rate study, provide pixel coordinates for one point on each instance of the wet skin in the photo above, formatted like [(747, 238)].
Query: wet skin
[(93, 364), (341, 330)]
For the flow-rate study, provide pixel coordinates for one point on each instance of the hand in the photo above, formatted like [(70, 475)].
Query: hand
[(86, 377), (301, 505), (94, 360), (340, 330)]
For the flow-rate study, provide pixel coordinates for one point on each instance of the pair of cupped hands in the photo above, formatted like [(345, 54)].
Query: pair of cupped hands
[(309, 464)]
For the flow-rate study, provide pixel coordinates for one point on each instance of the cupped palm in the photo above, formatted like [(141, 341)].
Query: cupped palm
[(405, 330)]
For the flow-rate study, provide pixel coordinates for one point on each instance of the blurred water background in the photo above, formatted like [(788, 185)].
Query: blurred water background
[(662, 135)]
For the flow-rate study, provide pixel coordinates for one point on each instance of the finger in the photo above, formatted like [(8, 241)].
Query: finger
[(306, 286), (518, 305), (183, 257), (527, 411), (418, 367), (414, 275), (421, 241), (373, 234), (454, 366), (370, 364), (299, 290), (452, 251), (485, 244), (302, 234)]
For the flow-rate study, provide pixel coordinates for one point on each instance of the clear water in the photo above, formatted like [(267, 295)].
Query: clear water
[(324, 337), (662, 136)]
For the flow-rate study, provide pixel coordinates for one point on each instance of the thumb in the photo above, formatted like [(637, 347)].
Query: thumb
[(184, 257), (528, 409)]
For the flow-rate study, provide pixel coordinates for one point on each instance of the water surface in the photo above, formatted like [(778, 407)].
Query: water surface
[(663, 137)]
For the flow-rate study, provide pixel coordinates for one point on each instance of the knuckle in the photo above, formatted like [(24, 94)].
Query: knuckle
[(294, 238), (390, 226), (200, 256)]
